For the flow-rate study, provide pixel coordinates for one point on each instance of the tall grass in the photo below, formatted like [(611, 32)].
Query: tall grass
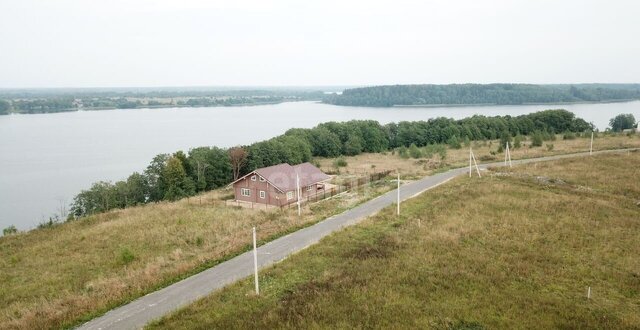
[(514, 249), (61, 275)]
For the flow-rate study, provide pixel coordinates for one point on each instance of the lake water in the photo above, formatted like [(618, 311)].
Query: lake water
[(45, 159)]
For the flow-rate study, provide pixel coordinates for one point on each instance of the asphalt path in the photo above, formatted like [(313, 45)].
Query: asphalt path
[(141, 311)]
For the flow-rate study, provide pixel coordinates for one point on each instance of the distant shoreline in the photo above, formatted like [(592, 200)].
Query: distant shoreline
[(499, 104), (155, 107)]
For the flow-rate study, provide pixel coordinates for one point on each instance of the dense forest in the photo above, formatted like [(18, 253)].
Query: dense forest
[(58, 100), (460, 94), (178, 175)]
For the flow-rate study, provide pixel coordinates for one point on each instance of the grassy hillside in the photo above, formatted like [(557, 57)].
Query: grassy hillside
[(515, 249), (62, 275)]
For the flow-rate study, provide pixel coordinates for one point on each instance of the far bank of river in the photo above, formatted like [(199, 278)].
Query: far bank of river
[(45, 159)]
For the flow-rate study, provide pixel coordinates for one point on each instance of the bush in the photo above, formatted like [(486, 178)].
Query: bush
[(517, 141), (568, 136), (414, 151), (126, 256), (549, 146), (454, 143), (9, 230), (402, 151), (536, 139), (340, 162)]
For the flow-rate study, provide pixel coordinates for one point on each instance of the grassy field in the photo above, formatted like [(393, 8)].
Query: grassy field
[(515, 249), (415, 168), (59, 276)]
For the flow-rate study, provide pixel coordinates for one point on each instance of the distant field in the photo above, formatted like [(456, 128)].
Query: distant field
[(56, 277), (515, 249)]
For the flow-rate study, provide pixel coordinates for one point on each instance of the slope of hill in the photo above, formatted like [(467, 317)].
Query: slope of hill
[(465, 94), (515, 249)]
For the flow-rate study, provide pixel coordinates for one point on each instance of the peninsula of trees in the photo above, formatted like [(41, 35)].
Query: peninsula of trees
[(478, 94)]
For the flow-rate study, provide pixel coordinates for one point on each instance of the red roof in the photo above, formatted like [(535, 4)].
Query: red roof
[(283, 176)]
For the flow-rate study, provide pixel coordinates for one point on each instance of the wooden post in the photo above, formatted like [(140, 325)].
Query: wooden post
[(591, 145), (589, 293), (255, 262)]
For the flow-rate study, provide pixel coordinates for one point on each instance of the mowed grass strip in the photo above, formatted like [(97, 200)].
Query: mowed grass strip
[(58, 277), (504, 251)]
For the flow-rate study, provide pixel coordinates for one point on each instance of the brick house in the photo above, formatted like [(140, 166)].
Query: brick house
[(276, 185)]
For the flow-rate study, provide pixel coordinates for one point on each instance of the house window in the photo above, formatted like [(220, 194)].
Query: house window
[(253, 178), (310, 187), (262, 179), (263, 194), (245, 192), (290, 195)]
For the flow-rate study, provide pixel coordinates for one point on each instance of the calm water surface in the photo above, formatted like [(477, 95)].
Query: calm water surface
[(46, 159)]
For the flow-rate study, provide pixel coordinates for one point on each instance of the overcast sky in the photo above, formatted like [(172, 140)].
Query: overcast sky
[(115, 43)]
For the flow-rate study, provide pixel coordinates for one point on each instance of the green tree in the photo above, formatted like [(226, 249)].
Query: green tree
[(178, 184), (325, 143), (153, 173), (353, 146), (622, 122), (137, 188)]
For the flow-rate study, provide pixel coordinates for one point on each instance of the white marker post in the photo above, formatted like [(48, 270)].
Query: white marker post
[(589, 293), (398, 206), (470, 157), (507, 156), (298, 192), (255, 262), (591, 146), (473, 157)]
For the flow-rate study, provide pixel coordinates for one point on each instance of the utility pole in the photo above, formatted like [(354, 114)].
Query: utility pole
[(298, 192), (398, 202), (507, 155), (472, 157), (255, 262)]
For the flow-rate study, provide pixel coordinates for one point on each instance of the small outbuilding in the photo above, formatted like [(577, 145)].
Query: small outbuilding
[(277, 185)]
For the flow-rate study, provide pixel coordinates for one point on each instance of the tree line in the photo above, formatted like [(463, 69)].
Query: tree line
[(179, 175), (58, 100), (457, 94)]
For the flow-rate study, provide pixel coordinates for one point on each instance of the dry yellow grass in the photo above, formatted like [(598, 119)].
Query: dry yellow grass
[(56, 277), (460, 157)]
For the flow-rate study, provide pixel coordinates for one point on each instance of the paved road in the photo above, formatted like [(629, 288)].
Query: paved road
[(156, 304)]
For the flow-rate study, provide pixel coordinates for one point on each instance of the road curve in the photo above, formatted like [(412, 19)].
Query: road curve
[(139, 312)]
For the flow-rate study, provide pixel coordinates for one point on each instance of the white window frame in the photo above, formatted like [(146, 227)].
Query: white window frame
[(289, 195), (246, 192), (253, 177), (263, 194), (262, 179), (310, 187)]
